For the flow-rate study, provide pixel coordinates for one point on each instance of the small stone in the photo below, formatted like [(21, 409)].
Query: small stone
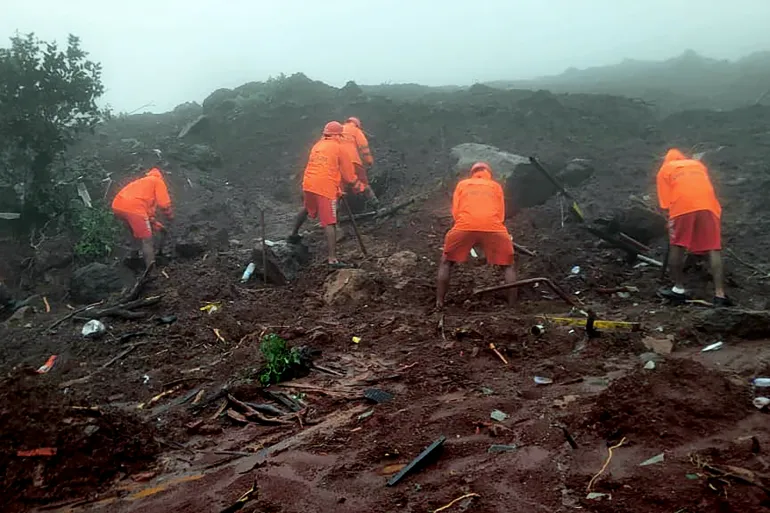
[(498, 415)]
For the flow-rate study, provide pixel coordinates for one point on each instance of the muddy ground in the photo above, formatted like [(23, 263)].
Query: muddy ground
[(121, 446)]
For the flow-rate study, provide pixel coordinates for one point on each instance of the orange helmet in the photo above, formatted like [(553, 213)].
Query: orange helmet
[(479, 166), (355, 121), (333, 128), (155, 172)]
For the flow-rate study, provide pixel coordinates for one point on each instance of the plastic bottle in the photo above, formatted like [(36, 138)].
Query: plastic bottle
[(761, 382), (248, 272)]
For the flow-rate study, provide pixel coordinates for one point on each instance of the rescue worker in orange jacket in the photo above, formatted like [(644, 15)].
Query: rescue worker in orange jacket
[(328, 169), (136, 204), (357, 147), (685, 190), (478, 209)]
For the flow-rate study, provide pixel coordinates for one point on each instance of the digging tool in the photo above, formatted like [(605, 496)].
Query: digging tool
[(531, 281), (264, 245), (575, 207), (355, 225), (524, 250), (665, 261)]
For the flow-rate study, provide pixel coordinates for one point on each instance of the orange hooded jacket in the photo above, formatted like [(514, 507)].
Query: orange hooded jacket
[(327, 166), (360, 143), (478, 204), (684, 186), (144, 195)]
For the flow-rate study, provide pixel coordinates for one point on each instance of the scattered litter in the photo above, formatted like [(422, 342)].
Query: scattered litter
[(575, 270), (378, 396), (761, 402), (691, 477), (761, 382), (650, 365), (571, 332), (248, 272), (43, 451), (48, 365), (47, 306), (498, 415), (652, 461), (659, 329), (593, 496), (423, 458), (713, 347), (210, 308), (219, 335), (486, 391), (623, 295), (167, 319), (501, 448), (145, 379), (537, 330), (540, 380), (93, 329), (498, 353), (473, 253), (366, 415), (356, 340), (165, 274), (455, 501)]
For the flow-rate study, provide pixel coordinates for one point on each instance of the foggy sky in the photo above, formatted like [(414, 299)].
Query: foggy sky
[(165, 52)]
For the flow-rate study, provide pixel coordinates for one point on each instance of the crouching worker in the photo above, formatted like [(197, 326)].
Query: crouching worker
[(136, 204), (327, 168), (478, 209), (685, 190)]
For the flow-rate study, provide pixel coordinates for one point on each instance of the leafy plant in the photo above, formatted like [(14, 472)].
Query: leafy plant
[(280, 359), (47, 98), (97, 229)]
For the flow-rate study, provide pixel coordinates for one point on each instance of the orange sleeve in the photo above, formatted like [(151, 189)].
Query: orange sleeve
[(501, 202), (664, 188), (456, 200), (363, 147), (162, 198), (347, 170)]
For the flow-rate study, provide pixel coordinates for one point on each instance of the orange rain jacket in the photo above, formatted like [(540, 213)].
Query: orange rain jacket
[(684, 186), (144, 195), (327, 166), (360, 142), (478, 204)]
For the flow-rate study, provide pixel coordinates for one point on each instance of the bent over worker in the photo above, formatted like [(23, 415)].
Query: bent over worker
[(685, 190), (136, 204), (478, 209), (357, 146), (327, 168)]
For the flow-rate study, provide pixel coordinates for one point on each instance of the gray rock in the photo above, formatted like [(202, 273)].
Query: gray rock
[(54, 253), (651, 357), (96, 282), (748, 324), (284, 261), (349, 286)]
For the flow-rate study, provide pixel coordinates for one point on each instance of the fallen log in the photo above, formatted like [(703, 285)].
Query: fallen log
[(531, 281)]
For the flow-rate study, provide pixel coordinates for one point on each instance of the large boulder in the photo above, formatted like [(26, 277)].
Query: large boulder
[(53, 253), (354, 286), (641, 223), (748, 324), (401, 267), (96, 282), (284, 260), (524, 185)]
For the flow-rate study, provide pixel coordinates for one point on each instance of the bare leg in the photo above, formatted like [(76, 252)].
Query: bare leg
[(148, 251), (301, 218), (442, 281), (676, 265), (331, 241), (510, 277), (717, 272)]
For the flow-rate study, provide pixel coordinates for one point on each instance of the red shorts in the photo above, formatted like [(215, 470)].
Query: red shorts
[(497, 246), (321, 208), (698, 232), (139, 224), (361, 174)]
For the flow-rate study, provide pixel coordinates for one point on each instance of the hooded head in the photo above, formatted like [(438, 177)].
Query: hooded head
[(674, 154), (355, 121), (155, 172), (481, 170)]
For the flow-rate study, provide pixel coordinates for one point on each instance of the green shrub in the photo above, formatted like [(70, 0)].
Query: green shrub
[(280, 359), (96, 228)]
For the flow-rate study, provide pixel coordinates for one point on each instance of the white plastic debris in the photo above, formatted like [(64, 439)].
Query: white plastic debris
[(761, 382), (540, 380), (650, 365), (93, 329), (595, 496), (498, 415), (712, 347), (761, 402), (575, 270), (652, 461)]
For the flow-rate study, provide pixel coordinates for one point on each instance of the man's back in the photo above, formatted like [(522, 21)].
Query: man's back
[(684, 186), (322, 173), (479, 205)]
